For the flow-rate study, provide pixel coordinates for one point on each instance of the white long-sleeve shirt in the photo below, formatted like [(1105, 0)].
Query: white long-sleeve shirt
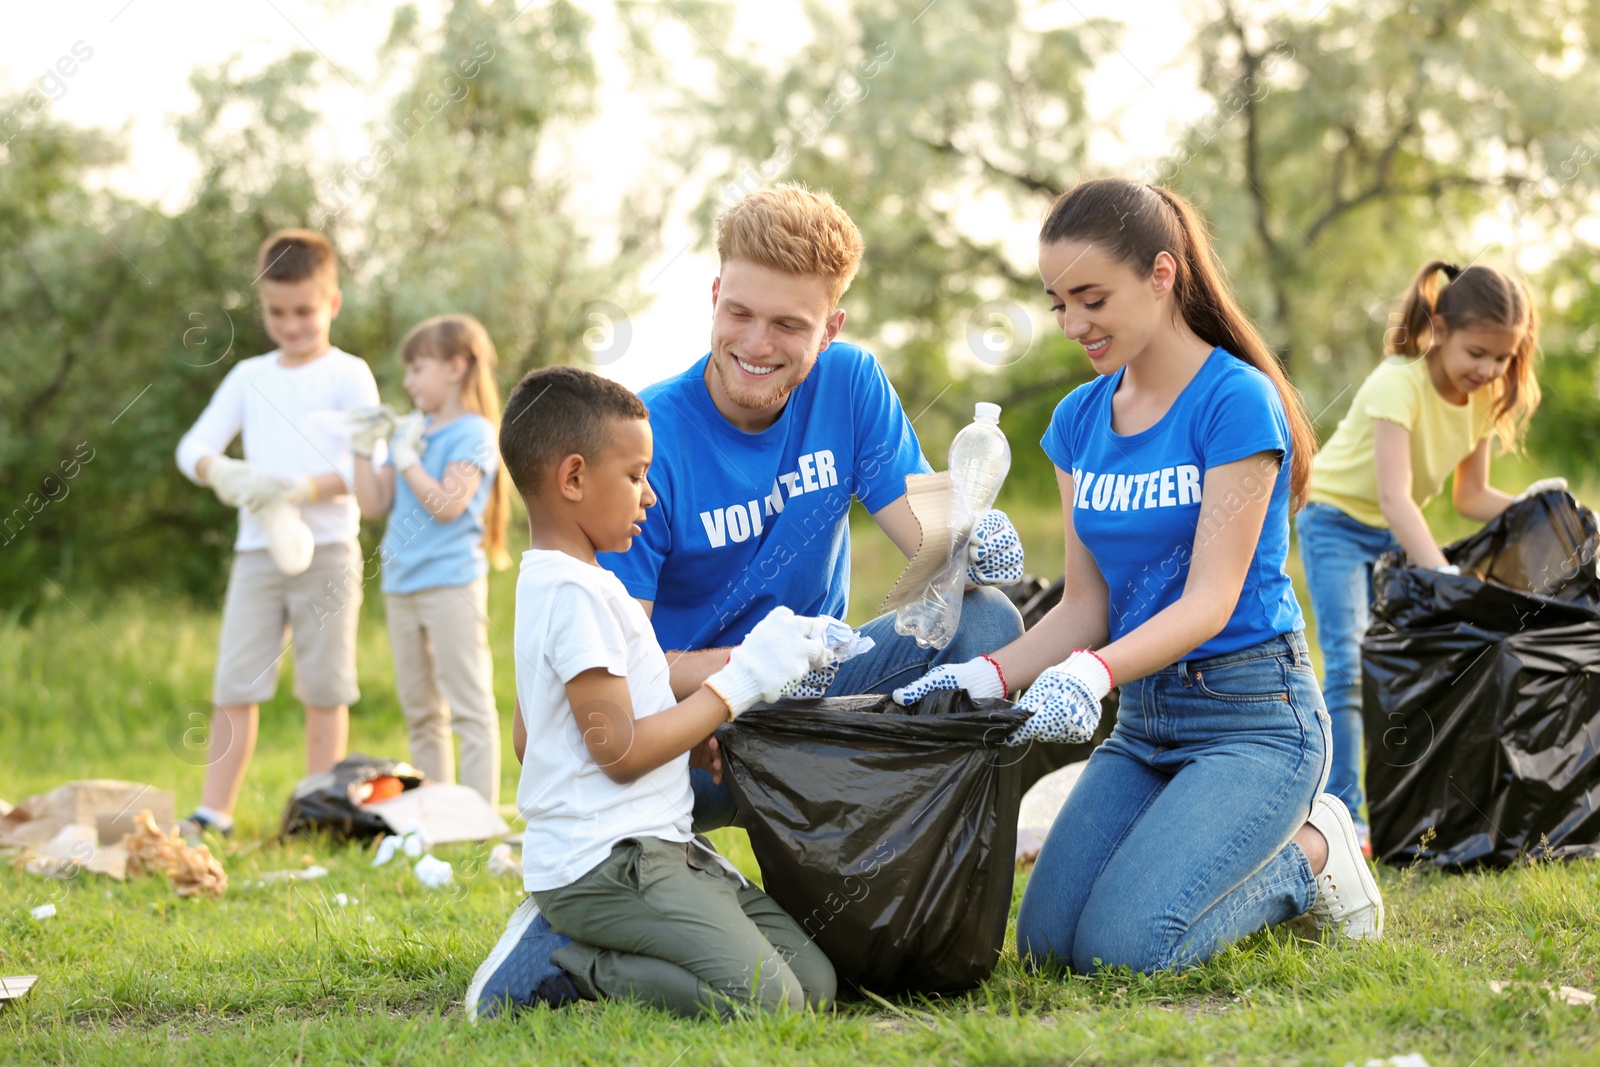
[(292, 425)]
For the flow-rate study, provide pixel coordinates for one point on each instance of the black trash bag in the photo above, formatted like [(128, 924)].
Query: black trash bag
[(1481, 694), (327, 801), (888, 833), (1034, 598)]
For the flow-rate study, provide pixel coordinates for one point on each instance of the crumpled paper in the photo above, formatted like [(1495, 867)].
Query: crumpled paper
[(192, 871), (432, 872)]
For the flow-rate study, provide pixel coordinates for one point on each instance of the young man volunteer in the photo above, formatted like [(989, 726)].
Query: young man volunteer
[(760, 447)]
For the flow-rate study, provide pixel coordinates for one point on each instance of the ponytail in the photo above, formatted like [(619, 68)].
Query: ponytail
[(444, 337), (1474, 298), (1133, 223)]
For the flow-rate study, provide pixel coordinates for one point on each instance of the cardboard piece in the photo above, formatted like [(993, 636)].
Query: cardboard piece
[(37, 820), (929, 498), (12, 987), (441, 813), (75, 848)]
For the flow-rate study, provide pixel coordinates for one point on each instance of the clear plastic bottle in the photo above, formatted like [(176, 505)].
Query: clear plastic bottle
[(980, 458)]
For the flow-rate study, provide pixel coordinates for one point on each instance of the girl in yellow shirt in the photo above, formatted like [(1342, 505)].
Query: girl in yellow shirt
[(1459, 371)]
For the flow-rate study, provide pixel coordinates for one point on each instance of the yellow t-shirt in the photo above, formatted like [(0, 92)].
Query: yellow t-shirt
[(1443, 434)]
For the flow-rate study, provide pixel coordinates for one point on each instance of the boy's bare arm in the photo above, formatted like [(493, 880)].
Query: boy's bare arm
[(627, 748)]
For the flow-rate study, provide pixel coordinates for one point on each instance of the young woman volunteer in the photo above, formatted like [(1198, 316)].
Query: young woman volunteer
[(1201, 819), (1460, 371)]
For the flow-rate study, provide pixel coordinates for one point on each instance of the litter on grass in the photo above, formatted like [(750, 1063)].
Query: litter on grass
[(12, 987), (411, 844), (1569, 994), (43, 912), (193, 871), (503, 861), (307, 874), (441, 813), (104, 805), (433, 873)]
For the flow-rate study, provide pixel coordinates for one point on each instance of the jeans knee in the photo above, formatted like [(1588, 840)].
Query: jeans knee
[(988, 621), (1095, 948)]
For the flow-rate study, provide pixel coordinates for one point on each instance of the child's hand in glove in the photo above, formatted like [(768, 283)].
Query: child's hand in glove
[(1065, 701), (235, 482), (406, 444), (783, 647), (368, 426)]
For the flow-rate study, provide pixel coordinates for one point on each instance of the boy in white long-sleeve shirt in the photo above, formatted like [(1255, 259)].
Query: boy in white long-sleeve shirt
[(286, 405)]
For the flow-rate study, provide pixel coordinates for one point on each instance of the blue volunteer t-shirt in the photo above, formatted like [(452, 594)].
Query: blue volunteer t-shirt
[(748, 521), (420, 552), (1136, 504)]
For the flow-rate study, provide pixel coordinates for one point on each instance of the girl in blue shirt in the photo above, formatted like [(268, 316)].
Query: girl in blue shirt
[(1201, 819), (447, 508)]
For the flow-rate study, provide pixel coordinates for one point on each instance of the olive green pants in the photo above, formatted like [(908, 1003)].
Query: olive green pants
[(666, 924)]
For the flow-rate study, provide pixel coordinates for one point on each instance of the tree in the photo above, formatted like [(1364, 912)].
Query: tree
[(1351, 146), (126, 319), (917, 117)]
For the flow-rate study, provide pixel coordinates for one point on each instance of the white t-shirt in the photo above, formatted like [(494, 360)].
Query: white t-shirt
[(573, 617), (292, 422)]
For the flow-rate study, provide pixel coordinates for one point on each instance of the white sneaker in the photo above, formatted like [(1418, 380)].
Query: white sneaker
[(1347, 894)]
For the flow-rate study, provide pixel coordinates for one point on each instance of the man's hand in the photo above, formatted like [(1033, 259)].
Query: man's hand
[(994, 554), (707, 756), (980, 677), (1065, 701)]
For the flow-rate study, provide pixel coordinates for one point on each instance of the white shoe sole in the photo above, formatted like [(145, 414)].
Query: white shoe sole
[(516, 926), (1369, 884)]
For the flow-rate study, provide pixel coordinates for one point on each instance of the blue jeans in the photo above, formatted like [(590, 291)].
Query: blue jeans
[(1176, 839), (1338, 553), (988, 621)]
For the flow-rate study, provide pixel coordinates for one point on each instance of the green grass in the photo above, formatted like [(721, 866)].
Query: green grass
[(282, 974)]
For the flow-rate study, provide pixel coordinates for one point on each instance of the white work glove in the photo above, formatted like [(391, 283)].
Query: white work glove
[(1543, 485), (272, 490), (289, 540), (406, 443), (1065, 701), (781, 648), (368, 426), (231, 479), (994, 554), (980, 677)]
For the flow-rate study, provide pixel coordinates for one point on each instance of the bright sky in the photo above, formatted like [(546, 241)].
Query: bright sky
[(131, 61)]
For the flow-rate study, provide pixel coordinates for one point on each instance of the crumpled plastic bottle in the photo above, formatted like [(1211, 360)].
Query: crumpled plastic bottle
[(980, 458)]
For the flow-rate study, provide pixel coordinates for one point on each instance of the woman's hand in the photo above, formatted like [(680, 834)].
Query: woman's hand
[(1065, 701), (980, 677)]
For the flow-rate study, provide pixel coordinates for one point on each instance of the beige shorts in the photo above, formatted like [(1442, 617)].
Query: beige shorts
[(320, 608)]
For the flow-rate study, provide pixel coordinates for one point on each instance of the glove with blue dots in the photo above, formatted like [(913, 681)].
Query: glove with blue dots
[(994, 554), (980, 677), (1065, 701), (812, 686)]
